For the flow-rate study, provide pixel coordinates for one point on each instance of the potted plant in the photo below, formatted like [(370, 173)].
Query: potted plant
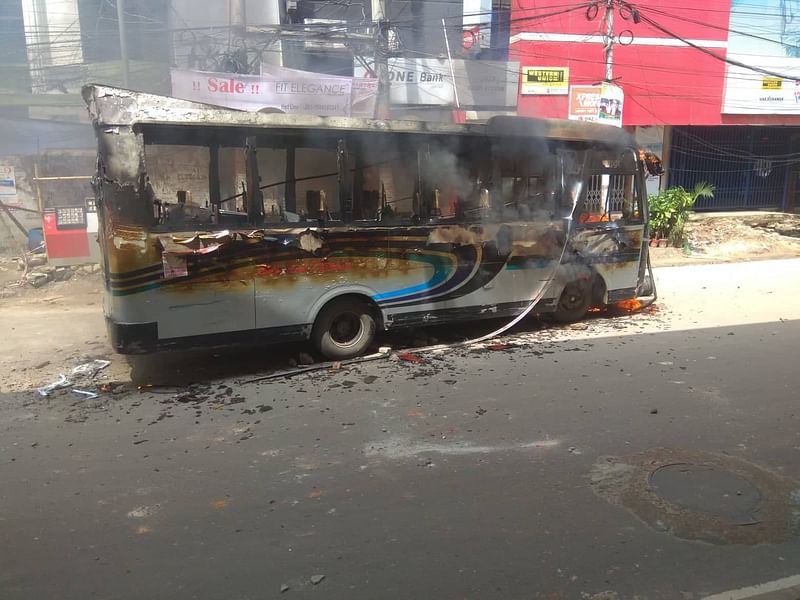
[(669, 211)]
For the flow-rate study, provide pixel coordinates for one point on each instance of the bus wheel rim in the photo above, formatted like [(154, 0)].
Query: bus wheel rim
[(346, 329), (571, 299)]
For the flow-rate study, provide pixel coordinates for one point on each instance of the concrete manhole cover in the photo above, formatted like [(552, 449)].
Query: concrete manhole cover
[(707, 489), (701, 496)]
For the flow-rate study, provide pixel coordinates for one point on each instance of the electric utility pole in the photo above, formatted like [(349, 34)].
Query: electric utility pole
[(381, 63), (238, 15), (608, 41), (123, 44)]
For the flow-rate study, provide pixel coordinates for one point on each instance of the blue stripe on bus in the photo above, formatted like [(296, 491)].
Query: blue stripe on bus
[(440, 274)]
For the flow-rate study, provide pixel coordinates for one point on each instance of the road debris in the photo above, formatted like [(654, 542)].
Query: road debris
[(383, 352), (284, 588), (90, 369), (410, 357), (36, 272), (499, 346), (89, 395), (56, 385), (317, 579)]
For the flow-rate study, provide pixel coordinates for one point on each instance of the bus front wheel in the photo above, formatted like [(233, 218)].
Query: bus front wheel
[(574, 302), (344, 328)]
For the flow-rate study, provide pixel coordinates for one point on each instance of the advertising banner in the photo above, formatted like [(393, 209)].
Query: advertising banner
[(8, 183), (545, 81), (429, 82), (289, 90), (611, 100), (584, 102), (486, 84), (420, 81), (763, 34), (747, 92)]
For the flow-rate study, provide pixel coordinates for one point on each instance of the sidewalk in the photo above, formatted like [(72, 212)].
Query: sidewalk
[(734, 237)]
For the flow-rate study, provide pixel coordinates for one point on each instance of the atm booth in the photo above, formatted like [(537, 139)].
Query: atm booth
[(70, 234)]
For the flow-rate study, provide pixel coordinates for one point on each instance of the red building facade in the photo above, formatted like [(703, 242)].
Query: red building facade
[(664, 80), (713, 85)]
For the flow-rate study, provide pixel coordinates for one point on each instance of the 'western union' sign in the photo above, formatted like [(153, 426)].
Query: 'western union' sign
[(545, 81), (771, 83)]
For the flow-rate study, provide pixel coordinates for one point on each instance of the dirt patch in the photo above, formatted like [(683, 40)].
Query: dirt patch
[(731, 238), (49, 330)]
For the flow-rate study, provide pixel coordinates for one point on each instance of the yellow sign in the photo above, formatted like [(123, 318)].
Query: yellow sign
[(771, 83), (545, 81)]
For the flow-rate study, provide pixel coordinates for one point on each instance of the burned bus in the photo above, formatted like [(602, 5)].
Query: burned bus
[(219, 226)]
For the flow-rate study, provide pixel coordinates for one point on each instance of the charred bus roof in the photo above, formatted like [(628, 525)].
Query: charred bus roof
[(114, 107)]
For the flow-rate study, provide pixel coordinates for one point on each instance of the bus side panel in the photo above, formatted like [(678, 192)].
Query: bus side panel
[(614, 252), (291, 292), (508, 293), (186, 299), (497, 276), (188, 308)]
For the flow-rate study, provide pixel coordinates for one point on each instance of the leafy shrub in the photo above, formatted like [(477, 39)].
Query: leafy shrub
[(670, 208)]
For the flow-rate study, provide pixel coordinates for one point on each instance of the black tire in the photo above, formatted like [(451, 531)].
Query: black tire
[(574, 302), (344, 328)]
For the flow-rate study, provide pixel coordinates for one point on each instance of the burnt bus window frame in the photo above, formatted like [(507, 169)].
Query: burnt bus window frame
[(478, 154), (343, 145), (216, 139), (612, 162)]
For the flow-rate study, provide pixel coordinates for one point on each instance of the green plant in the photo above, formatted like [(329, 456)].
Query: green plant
[(670, 208)]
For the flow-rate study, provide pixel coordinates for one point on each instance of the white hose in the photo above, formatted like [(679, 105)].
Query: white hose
[(534, 301)]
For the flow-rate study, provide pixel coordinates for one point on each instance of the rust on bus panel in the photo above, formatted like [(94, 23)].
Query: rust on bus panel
[(226, 258), (282, 257), (130, 248)]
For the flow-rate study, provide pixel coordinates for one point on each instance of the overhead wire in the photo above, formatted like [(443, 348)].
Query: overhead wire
[(563, 9), (714, 55), (727, 30)]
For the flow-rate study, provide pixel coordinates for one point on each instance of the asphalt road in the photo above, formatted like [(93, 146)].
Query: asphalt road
[(478, 473)]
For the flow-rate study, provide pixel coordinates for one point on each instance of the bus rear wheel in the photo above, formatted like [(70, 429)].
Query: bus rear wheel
[(574, 302), (344, 329)]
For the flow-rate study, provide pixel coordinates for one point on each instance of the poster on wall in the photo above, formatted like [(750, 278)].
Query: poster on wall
[(610, 109), (764, 34), (584, 102), (8, 184), (545, 81)]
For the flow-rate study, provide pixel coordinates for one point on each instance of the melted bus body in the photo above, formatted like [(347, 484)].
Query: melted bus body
[(219, 226)]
